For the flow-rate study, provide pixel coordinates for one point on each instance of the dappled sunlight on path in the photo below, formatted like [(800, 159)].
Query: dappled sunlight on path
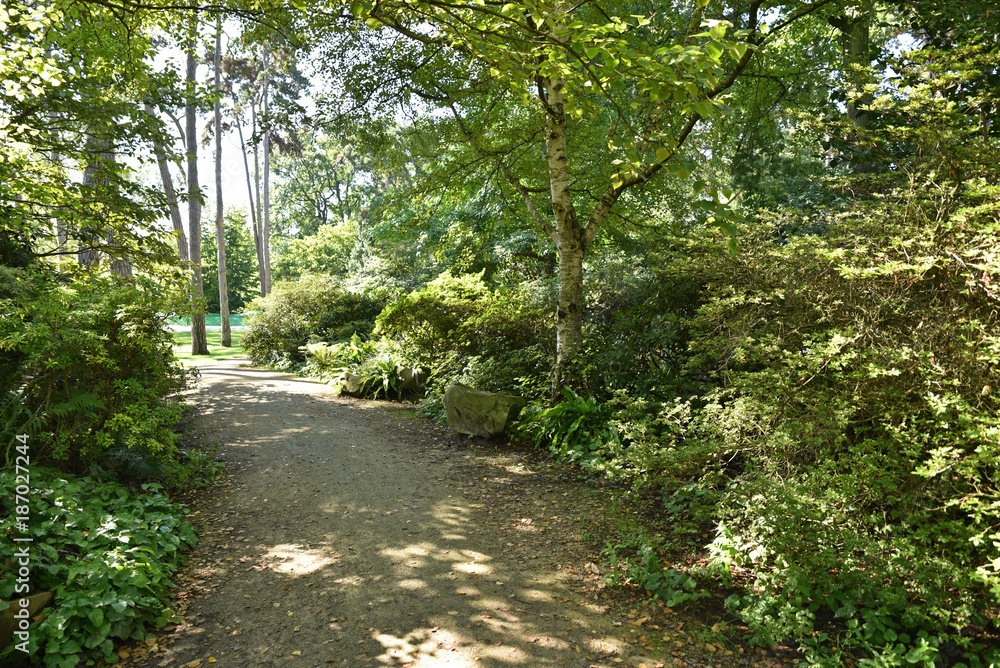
[(344, 538)]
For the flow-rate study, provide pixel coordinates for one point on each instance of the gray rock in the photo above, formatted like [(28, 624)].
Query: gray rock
[(352, 384), (479, 413), (412, 380)]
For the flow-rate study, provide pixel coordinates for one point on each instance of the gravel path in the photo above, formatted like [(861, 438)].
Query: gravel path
[(351, 533)]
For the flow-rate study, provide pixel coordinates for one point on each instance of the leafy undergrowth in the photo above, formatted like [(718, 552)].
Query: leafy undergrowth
[(106, 553)]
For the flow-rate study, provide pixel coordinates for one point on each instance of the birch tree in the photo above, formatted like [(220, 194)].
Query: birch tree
[(560, 69)]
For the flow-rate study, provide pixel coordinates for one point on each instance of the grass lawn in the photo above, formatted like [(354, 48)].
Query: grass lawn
[(182, 347)]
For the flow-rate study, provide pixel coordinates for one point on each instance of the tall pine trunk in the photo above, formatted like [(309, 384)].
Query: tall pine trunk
[(265, 229), (199, 338), (855, 28), (220, 229), (253, 209), (99, 150), (95, 177)]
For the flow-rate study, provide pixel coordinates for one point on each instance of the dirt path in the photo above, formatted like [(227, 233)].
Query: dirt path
[(352, 534)]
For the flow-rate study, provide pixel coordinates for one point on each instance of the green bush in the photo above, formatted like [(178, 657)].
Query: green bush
[(461, 329), (637, 321), (106, 554), (312, 309), (574, 430), (91, 367)]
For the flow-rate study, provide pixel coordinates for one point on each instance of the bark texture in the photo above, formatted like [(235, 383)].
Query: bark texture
[(855, 28), (569, 309), (220, 226), (168, 190), (265, 228), (199, 338)]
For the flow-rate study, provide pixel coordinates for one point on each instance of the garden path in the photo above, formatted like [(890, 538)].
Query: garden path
[(352, 533)]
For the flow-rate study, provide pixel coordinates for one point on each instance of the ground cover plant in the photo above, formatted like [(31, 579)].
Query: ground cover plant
[(106, 554)]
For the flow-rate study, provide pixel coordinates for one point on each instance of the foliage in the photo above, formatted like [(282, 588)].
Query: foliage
[(315, 308), (377, 363), (94, 366), (107, 555), (242, 274), (327, 361), (574, 430), (460, 328), (327, 252), (647, 570), (319, 188), (64, 97), (193, 469), (637, 322)]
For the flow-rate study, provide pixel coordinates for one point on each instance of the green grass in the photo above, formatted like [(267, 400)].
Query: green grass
[(212, 320), (182, 347)]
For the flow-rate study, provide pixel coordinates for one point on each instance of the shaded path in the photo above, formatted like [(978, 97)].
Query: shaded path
[(352, 534)]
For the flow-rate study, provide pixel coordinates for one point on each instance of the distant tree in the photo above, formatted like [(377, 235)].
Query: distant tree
[(264, 80), (326, 252), (320, 186), (241, 262)]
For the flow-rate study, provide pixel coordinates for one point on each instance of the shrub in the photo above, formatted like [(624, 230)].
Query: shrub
[(92, 367), (637, 321), (574, 430), (460, 328), (107, 556), (849, 445), (313, 309)]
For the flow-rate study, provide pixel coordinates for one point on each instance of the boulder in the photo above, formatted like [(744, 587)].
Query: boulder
[(411, 380), (9, 623), (352, 384), (479, 413)]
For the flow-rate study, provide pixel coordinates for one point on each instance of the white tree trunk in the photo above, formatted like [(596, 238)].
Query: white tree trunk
[(171, 195), (571, 245)]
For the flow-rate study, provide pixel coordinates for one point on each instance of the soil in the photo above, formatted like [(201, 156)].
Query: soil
[(353, 533)]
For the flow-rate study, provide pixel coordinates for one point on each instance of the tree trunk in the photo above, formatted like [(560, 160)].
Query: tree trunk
[(253, 208), (854, 26), (199, 338), (258, 235), (171, 195), (95, 176), (265, 229), (220, 228), (571, 246)]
